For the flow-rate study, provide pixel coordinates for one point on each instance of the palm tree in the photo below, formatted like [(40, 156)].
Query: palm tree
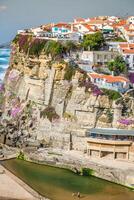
[(55, 49), (70, 46)]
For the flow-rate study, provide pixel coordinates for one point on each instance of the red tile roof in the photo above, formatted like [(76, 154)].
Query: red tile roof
[(89, 27), (60, 25), (128, 51), (127, 48), (109, 78), (79, 20), (96, 21)]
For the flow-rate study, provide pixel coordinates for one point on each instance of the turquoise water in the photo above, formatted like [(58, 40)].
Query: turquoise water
[(4, 61), (59, 184)]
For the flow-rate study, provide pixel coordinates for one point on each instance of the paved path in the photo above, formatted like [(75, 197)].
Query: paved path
[(13, 188)]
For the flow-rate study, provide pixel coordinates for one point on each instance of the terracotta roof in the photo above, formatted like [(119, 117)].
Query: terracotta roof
[(96, 21), (122, 23), (79, 20), (126, 45), (127, 48), (60, 25), (109, 78), (128, 51), (89, 27), (129, 28)]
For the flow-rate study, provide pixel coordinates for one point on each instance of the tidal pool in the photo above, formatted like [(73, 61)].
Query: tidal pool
[(59, 184)]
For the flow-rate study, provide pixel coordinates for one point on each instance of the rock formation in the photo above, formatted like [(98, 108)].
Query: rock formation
[(48, 101)]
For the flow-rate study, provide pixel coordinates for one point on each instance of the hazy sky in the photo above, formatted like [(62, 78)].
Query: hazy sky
[(19, 14)]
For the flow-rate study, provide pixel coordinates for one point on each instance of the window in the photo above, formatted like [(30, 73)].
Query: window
[(98, 57), (105, 57)]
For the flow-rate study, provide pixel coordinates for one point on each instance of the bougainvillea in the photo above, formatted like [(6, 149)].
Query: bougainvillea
[(23, 42), (15, 111), (87, 84), (126, 121), (13, 76), (97, 91), (131, 77), (2, 87)]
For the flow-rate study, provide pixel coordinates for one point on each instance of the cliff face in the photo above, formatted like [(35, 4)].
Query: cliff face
[(45, 100)]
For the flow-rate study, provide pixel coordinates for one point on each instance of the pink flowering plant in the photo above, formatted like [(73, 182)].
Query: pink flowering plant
[(87, 84), (23, 42), (97, 91), (2, 88), (13, 76), (15, 111), (126, 122)]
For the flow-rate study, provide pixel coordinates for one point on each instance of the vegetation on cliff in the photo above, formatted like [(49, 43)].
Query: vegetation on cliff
[(34, 46), (113, 95), (69, 73), (49, 113)]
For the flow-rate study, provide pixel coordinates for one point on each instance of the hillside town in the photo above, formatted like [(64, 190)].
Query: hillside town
[(118, 35)]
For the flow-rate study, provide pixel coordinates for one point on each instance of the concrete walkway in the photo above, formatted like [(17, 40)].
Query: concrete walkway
[(13, 188)]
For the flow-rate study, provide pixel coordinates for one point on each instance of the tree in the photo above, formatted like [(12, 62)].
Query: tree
[(55, 49), (94, 41), (118, 65), (70, 46)]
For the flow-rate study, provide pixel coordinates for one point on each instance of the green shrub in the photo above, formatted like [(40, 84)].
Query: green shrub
[(109, 115), (119, 39), (87, 172), (36, 47), (113, 95), (70, 72), (55, 49), (15, 40), (50, 113), (21, 156), (69, 116)]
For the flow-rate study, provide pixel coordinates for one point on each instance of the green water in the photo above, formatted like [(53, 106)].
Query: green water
[(59, 184)]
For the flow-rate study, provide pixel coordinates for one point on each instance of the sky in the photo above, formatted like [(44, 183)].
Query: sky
[(19, 14)]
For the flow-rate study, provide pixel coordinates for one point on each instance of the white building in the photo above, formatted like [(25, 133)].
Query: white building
[(128, 32), (98, 57), (117, 83), (131, 20), (37, 30), (127, 51), (85, 28)]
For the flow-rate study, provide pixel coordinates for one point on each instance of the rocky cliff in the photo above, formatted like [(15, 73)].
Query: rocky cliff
[(52, 102)]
